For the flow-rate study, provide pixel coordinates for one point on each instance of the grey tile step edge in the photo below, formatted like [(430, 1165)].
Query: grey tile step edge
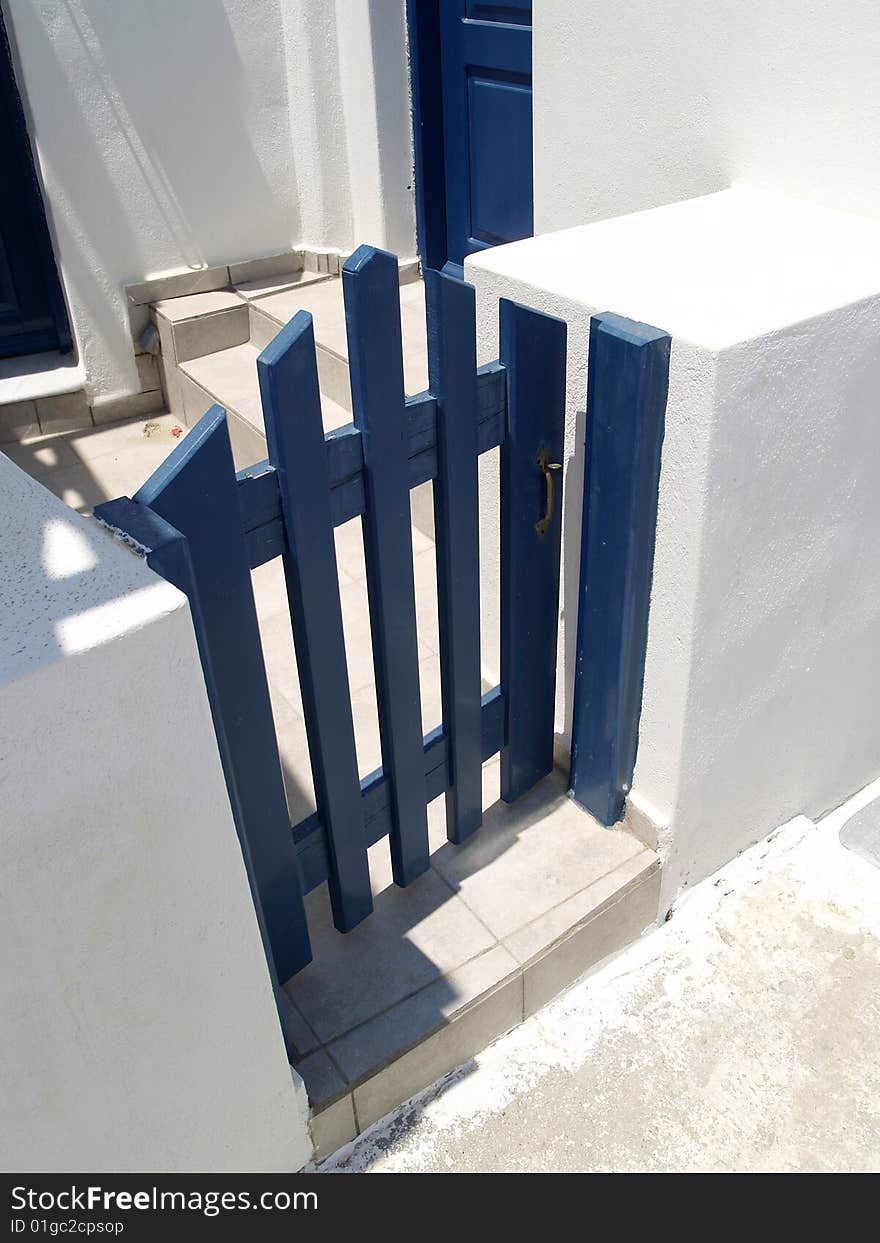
[(248, 442), (344, 1114), (333, 374), (71, 412)]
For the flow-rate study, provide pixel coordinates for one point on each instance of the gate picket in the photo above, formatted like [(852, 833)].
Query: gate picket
[(533, 348), (627, 384), (288, 377), (372, 318), (195, 491), (452, 368)]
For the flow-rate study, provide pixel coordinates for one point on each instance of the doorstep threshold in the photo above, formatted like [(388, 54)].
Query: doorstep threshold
[(494, 930), (32, 376)]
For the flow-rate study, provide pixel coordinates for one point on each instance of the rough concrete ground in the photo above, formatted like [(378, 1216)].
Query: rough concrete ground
[(741, 1035)]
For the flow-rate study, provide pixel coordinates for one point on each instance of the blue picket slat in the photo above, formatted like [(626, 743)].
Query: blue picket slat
[(452, 367), (372, 314), (288, 376), (195, 491), (533, 351), (627, 382), (258, 487)]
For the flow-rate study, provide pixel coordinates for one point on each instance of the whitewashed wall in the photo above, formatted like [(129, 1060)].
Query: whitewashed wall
[(763, 662), (138, 1026), (642, 103), (174, 134)]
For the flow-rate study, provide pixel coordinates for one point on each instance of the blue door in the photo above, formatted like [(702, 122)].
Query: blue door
[(486, 82), (32, 312)]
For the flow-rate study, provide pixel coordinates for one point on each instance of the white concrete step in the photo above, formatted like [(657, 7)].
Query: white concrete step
[(229, 378), (324, 302), (210, 343)]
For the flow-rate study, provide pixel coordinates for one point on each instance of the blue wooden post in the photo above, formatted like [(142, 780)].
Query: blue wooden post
[(627, 385), (372, 316), (288, 376), (195, 491), (452, 365), (533, 353)]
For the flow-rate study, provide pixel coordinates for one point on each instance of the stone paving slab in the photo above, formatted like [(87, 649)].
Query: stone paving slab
[(739, 1036)]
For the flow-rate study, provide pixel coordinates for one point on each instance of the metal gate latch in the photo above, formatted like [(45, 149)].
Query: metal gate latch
[(547, 468)]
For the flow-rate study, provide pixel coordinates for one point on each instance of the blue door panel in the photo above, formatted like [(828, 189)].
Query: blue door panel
[(500, 160), (486, 69)]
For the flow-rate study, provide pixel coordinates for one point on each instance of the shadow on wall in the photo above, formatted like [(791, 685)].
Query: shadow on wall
[(164, 140)]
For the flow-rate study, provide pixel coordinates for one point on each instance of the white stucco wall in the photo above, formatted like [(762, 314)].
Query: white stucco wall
[(139, 1030), (760, 685), (176, 135), (641, 104)]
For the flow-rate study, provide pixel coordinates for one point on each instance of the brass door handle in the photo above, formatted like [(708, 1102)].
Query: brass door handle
[(547, 468)]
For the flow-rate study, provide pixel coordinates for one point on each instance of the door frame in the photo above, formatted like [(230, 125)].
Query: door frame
[(423, 32), (32, 191)]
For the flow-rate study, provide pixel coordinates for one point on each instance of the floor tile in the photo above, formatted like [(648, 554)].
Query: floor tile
[(38, 457), (34, 376), (283, 263), (18, 421), (533, 939), (615, 927), (451, 1046), (413, 936), (270, 589), (425, 576), (265, 286), (293, 751), (77, 488), (333, 1127), (179, 285), (231, 376), (191, 306), (209, 334), (379, 854), (63, 412), (350, 548), (531, 856), (279, 654), (323, 301), (133, 439), (323, 1081), (304, 1039), (366, 1049), (366, 719)]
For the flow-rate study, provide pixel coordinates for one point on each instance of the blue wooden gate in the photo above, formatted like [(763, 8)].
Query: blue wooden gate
[(205, 528)]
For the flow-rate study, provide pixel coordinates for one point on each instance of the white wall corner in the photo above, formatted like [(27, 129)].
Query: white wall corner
[(130, 932), (761, 660)]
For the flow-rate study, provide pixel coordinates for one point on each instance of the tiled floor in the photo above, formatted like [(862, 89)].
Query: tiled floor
[(495, 927)]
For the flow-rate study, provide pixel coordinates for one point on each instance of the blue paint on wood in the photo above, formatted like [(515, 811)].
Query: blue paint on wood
[(626, 406), (310, 835), (452, 366), (288, 377), (372, 315), (486, 55), (533, 348), (194, 492), (258, 488)]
